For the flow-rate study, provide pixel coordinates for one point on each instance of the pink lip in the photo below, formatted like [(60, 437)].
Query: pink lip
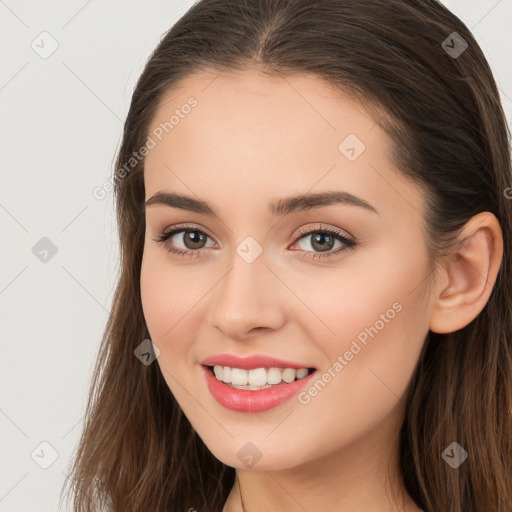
[(245, 400), (251, 362)]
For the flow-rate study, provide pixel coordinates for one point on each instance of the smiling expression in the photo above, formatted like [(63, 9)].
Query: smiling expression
[(263, 271)]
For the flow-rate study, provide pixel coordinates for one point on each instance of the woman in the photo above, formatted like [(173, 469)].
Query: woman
[(314, 309)]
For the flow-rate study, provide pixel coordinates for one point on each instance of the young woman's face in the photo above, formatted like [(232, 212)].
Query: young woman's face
[(261, 276)]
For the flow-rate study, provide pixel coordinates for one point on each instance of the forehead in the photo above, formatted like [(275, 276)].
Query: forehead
[(249, 135), (254, 101)]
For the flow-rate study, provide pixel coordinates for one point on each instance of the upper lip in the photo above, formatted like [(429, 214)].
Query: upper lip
[(250, 362)]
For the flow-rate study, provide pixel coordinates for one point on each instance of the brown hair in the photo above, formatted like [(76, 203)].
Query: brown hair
[(138, 451)]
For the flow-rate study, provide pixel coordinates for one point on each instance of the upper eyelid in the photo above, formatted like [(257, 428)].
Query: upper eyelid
[(302, 233), (174, 230), (338, 231)]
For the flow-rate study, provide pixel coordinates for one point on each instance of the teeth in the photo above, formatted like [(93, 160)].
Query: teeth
[(239, 377), (258, 378), (275, 375), (289, 374), (226, 374)]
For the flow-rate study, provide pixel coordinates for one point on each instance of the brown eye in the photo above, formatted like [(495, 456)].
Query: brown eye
[(319, 243), (193, 239), (183, 241)]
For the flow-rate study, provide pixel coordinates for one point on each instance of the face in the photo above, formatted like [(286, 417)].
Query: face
[(336, 285)]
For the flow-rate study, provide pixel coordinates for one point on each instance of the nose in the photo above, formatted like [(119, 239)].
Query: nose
[(249, 298)]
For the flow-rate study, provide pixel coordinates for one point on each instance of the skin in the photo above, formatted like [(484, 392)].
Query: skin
[(253, 139)]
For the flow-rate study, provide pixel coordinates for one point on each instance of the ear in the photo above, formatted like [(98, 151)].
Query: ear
[(466, 277)]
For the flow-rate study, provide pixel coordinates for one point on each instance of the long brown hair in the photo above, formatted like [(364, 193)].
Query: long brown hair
[(138, 452)]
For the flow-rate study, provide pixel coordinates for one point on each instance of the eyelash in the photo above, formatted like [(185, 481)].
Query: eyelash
[(348, 243)]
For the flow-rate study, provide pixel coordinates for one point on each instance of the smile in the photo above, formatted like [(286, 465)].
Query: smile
[(258, 378), (257, 389)]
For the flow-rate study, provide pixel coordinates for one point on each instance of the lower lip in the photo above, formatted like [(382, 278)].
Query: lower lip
[(246, 400)]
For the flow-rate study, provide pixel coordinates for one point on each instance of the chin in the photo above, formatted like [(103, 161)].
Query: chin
[(257, 455)]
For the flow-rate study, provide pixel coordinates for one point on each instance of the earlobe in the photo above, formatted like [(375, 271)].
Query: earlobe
[(468, 274)]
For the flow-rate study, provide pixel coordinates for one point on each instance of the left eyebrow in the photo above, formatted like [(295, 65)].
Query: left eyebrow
[(283, 206), (316, 200)]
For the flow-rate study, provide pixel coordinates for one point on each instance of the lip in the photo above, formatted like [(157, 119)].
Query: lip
[(246, 400), (250, 362)]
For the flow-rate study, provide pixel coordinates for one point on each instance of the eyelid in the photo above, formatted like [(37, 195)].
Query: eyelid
[(338, 231), (301, 232), (347, 240), (343, 236), (175, 228)]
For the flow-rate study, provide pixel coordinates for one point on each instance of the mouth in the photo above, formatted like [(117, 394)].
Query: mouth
[(257, 378), (257, 389)]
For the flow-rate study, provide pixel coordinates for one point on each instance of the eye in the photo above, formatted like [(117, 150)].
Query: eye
[(190, 237), (192, 240), (324, 240)]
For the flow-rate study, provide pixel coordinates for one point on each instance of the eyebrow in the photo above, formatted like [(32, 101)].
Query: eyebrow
[(280, 207)]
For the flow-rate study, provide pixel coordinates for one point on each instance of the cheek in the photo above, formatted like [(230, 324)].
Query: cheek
[(379, 329), (172, 305), (372, 313), (162, 294), (163, 307)]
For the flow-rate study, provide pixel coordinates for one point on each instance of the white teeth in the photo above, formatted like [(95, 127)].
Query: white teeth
[(239, 376), (219, 371), (252, 388), (275, 375), (302, 372), (257, 378), (289, 374), (226, 373)]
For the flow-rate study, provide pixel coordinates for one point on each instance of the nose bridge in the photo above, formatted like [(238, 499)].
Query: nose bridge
[(246, 297)]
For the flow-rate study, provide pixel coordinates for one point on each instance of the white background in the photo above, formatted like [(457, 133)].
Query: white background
[(61, 121)]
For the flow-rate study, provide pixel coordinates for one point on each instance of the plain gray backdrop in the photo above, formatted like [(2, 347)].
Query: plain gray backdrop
[(67, 73)]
